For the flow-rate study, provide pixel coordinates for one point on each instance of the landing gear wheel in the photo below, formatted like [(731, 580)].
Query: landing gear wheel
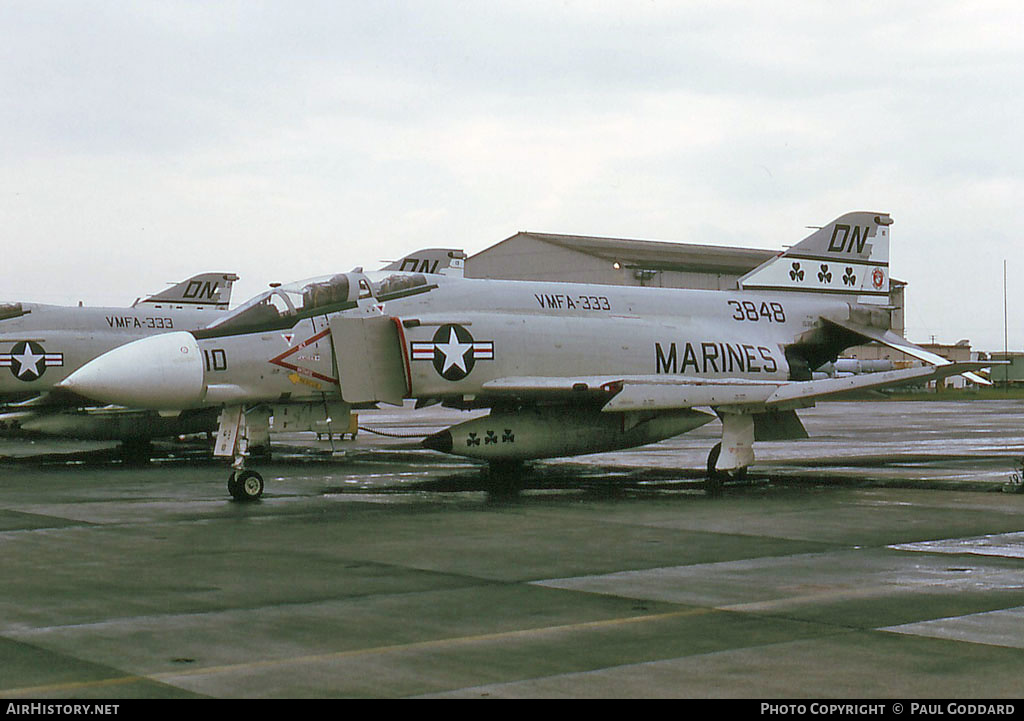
[(505, 478), (245, 485), (715, 478), (504, 468)]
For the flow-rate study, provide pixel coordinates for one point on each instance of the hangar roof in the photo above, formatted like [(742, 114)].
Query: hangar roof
[(657, 255)]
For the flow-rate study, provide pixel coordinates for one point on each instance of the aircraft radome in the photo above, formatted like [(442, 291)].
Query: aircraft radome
[(564, 368), (40, 345)]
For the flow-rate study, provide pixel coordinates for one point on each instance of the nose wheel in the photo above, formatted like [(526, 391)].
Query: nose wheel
[(245, 485)]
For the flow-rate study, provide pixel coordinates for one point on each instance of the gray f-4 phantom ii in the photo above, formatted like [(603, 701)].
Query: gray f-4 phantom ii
[(564, 368), (40, 345)]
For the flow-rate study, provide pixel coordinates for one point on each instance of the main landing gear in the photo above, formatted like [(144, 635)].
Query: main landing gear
[(505, 478), (738, 440), (715, 478)]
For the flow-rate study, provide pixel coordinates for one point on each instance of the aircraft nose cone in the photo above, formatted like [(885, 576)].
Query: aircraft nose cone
[(161, 372)]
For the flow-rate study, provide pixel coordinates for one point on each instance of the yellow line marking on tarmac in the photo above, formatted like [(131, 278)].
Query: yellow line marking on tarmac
[(338, 655)]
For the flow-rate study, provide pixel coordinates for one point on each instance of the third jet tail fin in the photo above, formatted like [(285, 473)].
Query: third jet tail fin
[(211, 290), (849, 256), (445, 261)]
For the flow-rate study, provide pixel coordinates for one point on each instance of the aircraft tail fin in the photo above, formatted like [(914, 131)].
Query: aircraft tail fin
[(444, 261), (211, 290), (849, 256)]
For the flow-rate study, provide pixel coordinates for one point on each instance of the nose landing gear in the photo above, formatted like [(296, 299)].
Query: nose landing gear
[(245, 485)]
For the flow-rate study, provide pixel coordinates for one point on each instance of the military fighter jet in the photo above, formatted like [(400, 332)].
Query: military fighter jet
[(565, 369), (42, 344)]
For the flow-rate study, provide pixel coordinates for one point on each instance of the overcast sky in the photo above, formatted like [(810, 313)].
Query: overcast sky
[(143, 142)]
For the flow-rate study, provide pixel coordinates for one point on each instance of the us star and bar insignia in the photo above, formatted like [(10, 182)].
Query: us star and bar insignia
[(453, 351)]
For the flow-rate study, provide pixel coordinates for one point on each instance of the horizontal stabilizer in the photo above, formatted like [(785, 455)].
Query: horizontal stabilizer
[(898, 342), (798, 393)]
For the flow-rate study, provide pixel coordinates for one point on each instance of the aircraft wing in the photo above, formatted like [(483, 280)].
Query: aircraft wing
[(638, 392), (49, 399), (40, 405), (649, 393)]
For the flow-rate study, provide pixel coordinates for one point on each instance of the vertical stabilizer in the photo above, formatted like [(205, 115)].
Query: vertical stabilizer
[(211, 290), (849, 256), (443, 261)]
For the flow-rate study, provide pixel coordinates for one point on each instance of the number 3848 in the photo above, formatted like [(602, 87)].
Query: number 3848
[(748, 310)]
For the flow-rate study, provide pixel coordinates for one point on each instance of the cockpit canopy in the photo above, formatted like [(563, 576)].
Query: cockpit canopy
[(336, 289), (283, 305), (11, 310)]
